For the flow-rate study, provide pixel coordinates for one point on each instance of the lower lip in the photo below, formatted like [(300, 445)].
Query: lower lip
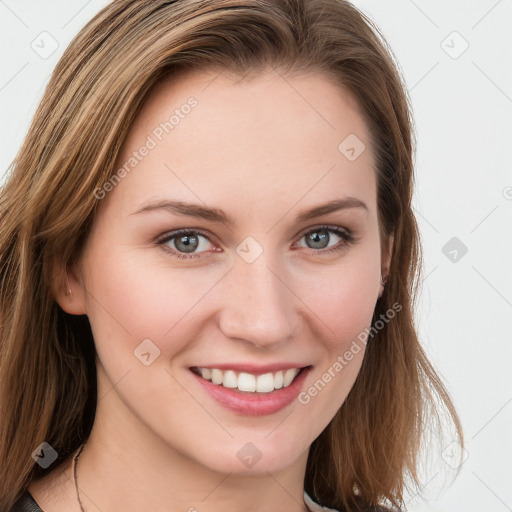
[(254, 404)]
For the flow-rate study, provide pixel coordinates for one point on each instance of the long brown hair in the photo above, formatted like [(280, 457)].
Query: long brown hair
[(48, 204)]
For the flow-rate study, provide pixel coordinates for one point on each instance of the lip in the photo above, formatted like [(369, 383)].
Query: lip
[(254, 404)]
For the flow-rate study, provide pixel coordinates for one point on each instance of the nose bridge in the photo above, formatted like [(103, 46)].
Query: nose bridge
[(258, 306)]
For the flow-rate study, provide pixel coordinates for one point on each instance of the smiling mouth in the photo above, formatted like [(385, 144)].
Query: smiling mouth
[(249, 382)]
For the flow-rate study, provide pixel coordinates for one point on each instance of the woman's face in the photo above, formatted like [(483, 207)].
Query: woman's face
[(217, 249)]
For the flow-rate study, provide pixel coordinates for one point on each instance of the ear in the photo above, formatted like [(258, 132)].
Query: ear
[(386, 252), (68, 289)]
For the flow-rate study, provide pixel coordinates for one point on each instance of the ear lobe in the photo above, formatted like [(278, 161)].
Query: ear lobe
[(68, 290)]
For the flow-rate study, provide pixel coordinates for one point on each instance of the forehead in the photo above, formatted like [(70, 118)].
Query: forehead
[(214, 137)]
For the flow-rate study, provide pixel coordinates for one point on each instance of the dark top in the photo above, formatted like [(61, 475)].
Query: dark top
[(26, 503)]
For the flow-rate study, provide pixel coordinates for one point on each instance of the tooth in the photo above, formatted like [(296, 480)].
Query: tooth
[(289, 376), (217, 376), (230, 380), (265, 383), (246, 382)]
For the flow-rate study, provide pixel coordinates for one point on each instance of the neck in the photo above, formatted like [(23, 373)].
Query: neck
[(117, 480)]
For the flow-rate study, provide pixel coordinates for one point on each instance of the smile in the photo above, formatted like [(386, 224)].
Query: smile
[(248, 382), (252, 391)]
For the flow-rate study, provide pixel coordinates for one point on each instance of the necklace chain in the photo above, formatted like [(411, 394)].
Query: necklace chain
[(75, 474)]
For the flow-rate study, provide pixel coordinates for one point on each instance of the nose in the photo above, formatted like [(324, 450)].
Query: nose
[(258, 306)]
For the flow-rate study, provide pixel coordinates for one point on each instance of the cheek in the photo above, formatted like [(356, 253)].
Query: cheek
[(131, 298), (343, 297), (344, 305)]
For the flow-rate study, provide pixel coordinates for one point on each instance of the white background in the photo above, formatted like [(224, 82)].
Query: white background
[(462, 106)]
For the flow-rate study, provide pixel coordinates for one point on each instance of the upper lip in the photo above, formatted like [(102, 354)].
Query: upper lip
[(254, 369)]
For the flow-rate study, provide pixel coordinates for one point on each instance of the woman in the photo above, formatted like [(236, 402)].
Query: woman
[(208, 262)]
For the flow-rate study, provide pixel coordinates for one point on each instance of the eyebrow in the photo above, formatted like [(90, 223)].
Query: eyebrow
[(218, 215)]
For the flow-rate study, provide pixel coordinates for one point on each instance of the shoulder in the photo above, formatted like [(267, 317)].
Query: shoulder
[(315, 507), (46, 491), (25, 503)]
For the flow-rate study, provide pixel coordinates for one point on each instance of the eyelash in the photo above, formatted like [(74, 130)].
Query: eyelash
[(347, 239)]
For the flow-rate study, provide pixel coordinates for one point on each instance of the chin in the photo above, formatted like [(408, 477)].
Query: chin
[(253, 457)]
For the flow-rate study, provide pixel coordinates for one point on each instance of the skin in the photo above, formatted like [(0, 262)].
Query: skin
[(263, 150)]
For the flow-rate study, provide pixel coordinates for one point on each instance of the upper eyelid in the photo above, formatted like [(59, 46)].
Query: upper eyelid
[(326, 227), (169, 235)]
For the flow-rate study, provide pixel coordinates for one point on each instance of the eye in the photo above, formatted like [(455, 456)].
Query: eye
[(319, 239), (185, 243)]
